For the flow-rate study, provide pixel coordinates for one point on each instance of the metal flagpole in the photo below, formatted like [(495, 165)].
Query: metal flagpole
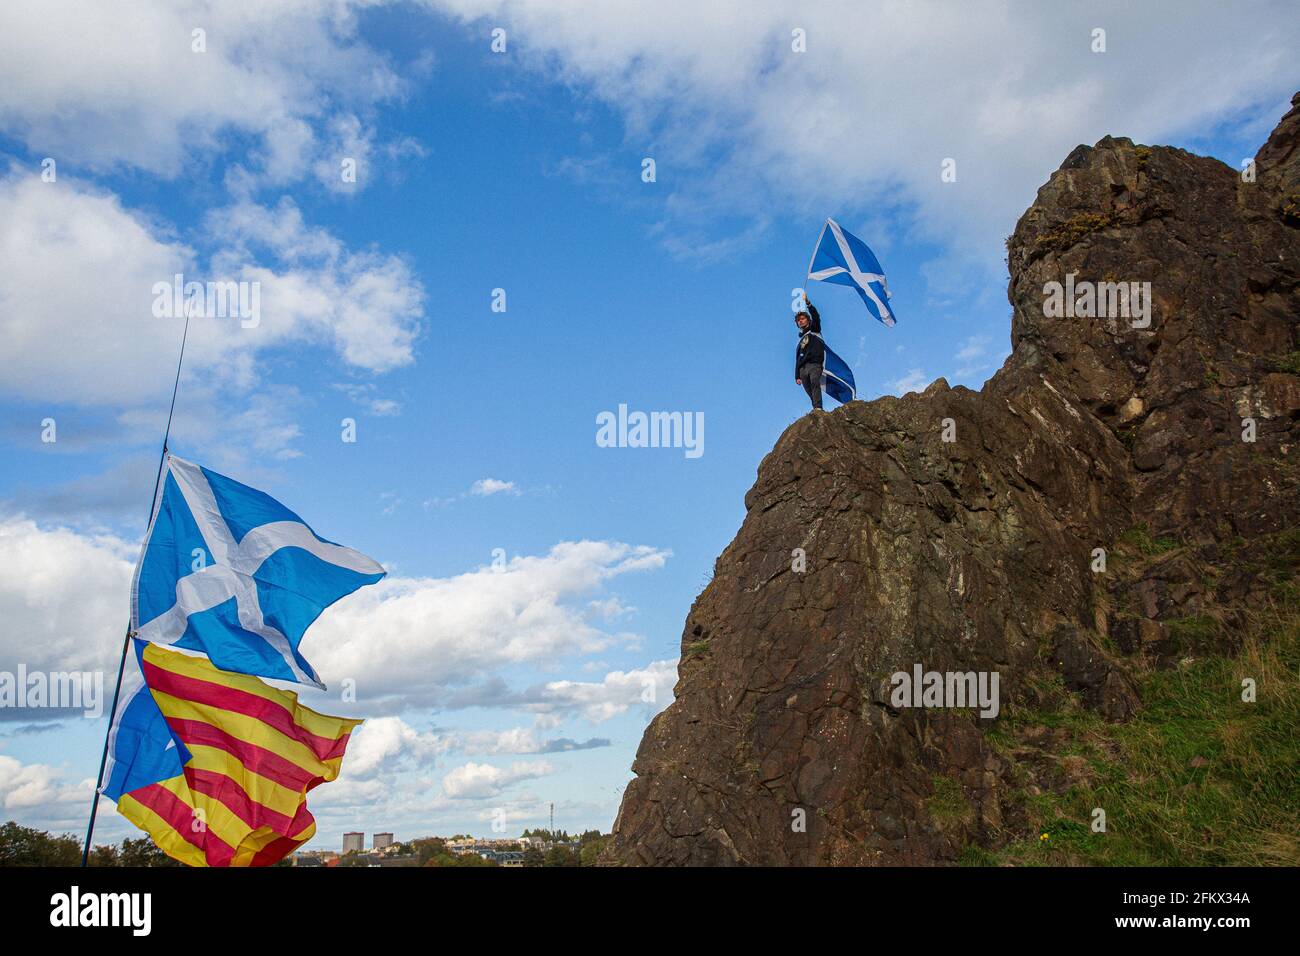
[(126, 640)]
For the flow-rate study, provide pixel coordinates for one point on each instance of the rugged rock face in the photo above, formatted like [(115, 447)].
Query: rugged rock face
[(977, 554)]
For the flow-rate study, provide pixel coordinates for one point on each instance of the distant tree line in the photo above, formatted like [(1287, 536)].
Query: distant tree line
[(433, 851), (25, 846)]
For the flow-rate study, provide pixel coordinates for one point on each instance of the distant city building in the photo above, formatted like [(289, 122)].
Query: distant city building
[(463, 845), (382, 840), (354, 841), (503, 857)]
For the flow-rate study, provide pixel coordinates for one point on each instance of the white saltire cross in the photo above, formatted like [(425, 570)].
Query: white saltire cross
[(863, 279), (230, 572)]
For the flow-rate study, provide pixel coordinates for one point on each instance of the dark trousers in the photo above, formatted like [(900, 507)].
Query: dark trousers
[(811, 376)]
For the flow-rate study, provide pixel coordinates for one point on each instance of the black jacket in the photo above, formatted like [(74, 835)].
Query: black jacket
[(810, 350)]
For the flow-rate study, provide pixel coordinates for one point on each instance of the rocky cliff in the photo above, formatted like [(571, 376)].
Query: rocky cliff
[(1115, 503)]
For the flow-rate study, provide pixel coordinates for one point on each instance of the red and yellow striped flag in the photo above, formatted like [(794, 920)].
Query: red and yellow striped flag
[(254, 753)]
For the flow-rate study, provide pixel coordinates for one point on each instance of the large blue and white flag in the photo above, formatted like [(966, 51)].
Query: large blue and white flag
[(837, 378), (842, 258), (228, 571)]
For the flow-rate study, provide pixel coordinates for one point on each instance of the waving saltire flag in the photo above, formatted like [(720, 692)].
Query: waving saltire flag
[(837, 378), (216, 766), (229, 571), (841, 258)]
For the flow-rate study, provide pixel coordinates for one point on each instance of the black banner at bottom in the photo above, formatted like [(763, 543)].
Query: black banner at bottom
[(917, 906)]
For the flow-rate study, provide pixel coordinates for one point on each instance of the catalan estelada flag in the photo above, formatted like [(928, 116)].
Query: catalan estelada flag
[(229, 788), (201, 754)]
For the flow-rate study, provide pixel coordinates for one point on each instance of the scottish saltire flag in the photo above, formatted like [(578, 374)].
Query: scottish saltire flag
[(837, 379), (216, 766), (842, 258), (228, 571)]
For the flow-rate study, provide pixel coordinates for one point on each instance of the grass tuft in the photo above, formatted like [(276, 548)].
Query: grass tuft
[(1139, 538), (1198, 778)]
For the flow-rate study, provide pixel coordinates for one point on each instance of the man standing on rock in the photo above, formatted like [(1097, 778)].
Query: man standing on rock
[(810, 354)]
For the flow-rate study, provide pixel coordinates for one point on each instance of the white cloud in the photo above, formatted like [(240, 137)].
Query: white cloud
[(63, 598), (26, 786), (383, 741), (649, 687), (107, 85), (479, 781), (610, 608), (426, 636), (975, 357), (493, 486), (365, 304), (517, 740), (482, 488), (366, 395), (354, 142), (914, 381), (974, 347), (287, 89), (77, 295), (860, 123), (391, 745)]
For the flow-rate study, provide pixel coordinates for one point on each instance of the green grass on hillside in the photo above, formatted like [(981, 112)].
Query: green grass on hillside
[(1197, 778), (1139, 539)]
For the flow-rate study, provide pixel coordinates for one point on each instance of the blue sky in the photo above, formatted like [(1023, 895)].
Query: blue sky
[(519, 171)]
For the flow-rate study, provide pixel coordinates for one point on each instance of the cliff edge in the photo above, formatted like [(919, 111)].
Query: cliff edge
[(1118, 503)]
